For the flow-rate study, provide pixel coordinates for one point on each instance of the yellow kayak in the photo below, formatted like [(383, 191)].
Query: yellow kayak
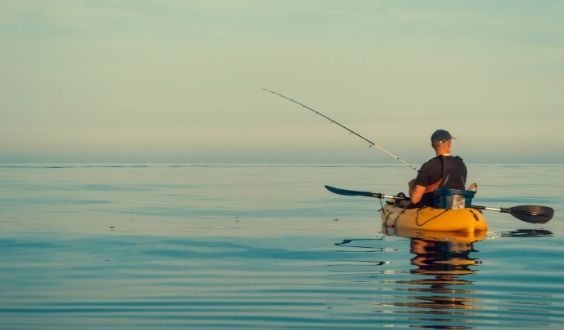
[(467, 220)]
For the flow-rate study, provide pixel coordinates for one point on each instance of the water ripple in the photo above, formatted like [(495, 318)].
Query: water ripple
[(197, 247)]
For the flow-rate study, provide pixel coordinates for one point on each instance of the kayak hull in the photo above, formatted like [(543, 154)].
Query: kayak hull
[(461, 237), (467, 220)]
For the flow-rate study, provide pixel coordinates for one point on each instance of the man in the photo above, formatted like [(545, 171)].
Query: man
[(443, 171)]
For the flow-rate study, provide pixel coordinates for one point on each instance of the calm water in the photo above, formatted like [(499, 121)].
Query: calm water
[(266, 247)]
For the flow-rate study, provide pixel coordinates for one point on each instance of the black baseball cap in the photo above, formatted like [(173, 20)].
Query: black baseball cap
[(441, 135)]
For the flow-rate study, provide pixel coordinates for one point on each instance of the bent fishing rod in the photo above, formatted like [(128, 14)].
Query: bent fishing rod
[(370, 143)]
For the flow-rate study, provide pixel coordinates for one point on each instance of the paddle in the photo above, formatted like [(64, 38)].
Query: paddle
[(527, 213), (346, 192)]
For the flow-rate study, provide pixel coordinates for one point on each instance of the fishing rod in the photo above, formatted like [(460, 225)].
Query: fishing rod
[(370, 143)]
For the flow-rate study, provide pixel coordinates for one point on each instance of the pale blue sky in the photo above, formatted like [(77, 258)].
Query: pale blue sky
[(180, 81)]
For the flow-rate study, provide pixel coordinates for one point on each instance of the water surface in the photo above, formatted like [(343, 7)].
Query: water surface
[(265, 247)]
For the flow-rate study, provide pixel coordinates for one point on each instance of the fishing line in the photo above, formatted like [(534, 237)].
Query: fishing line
[(370, 143)]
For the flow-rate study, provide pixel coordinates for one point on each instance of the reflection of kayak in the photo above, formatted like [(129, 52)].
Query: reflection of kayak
[(466, 220), (437, 236)]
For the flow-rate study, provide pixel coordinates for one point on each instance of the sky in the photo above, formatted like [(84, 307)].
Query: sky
[(182, 81)]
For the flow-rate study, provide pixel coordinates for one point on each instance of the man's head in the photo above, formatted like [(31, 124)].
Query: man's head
[(440, 138)]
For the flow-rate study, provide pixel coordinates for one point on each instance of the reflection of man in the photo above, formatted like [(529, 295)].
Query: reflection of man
[(446, 261)]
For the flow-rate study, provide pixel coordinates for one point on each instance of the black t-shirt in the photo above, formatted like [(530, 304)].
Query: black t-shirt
[(446, 171)]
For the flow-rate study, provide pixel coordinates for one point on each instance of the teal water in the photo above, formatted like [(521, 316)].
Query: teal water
[(266, 247)]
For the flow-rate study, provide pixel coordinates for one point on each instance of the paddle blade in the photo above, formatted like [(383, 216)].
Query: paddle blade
[(532, 213), (346, 192)]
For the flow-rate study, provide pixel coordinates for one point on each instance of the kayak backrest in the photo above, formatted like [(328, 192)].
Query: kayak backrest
[(452, 198)]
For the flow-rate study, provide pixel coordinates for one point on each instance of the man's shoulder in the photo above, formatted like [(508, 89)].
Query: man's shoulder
[(437, 160), (431, 163), (458, 159)]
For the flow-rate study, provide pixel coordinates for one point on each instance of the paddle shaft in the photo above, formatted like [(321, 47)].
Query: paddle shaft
[(498, 209)]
